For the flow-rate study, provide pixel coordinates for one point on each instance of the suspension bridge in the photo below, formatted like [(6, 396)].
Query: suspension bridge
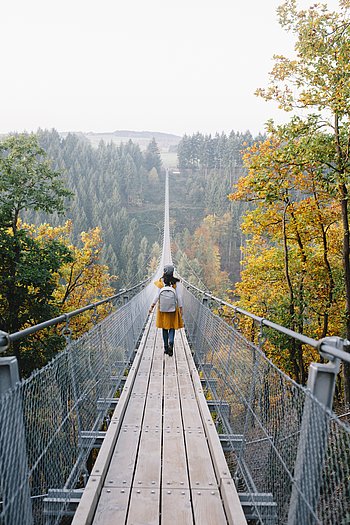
[(114, 431)]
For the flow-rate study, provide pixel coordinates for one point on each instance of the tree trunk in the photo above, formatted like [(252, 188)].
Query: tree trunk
[(331, 283), (346, 265), (292, 347), (301, 303), (343, 190)]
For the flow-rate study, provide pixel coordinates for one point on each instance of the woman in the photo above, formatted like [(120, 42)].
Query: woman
[(168, 321)]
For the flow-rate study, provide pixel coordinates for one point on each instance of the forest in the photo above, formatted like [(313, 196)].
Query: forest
[(79, 222), (120, 190), (262, 221)]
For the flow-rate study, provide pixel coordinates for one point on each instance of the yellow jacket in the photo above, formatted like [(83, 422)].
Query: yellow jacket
[(168, 320)]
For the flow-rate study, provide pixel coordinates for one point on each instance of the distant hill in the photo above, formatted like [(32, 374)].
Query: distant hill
[(167, 142)]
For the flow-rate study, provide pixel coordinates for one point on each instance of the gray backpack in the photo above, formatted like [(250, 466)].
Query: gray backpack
[(167, 299)]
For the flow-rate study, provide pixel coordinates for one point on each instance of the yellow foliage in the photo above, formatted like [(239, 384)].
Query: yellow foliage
[(292, 266), (82, 281)]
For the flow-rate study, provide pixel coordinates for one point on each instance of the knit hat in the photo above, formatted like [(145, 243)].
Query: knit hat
[(168, 270)]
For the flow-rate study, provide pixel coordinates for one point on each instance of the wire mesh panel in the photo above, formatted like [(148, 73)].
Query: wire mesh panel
[(42, 419), (288, 454)]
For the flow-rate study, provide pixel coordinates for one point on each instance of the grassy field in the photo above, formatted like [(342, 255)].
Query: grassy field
[(169, 159)]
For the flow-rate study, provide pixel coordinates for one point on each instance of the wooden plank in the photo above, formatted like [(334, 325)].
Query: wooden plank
[(232, 505), (155, 383), (172, 414), (181, 357), (153, 412), (172, 411), (189, 408), (207, 507), (174, 472), (153, 408), (144, 507), (176, 507), (134, 412), (200, 467), (122, 465), (141, 383), (112, 506), (148, 465), (185, 386), (190, 413), (170, 382), (219, 461), (89, 501)]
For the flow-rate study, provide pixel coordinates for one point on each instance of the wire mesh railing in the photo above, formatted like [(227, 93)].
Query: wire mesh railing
[(42, 419), (289, 454)]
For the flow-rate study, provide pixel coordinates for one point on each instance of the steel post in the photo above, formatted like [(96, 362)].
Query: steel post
[(312, 446), (14, 483)]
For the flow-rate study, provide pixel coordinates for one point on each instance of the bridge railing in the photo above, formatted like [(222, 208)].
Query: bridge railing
[(289, 453), (43, 419)]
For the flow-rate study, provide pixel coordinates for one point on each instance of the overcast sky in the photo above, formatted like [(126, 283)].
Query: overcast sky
[(102, 65)]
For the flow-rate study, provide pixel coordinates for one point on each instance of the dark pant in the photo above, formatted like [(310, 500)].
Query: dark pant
[(168, 336)]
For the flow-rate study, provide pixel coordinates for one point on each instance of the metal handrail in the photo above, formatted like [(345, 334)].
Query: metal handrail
[(329, 347), (6, 339)]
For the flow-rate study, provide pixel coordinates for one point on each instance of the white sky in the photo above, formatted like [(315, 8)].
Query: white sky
[(101, 65)]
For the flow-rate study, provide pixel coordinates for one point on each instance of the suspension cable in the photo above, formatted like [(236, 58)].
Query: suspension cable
[(329, 351), (5, 338)]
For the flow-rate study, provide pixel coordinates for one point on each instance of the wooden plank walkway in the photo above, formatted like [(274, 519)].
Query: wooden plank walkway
[(161, 461)]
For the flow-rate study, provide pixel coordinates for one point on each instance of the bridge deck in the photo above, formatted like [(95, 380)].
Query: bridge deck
[(161, 461)]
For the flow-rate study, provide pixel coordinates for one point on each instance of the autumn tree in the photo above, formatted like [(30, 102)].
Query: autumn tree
[(317, 80), (198, 255), (154, 259), (27, 265), (82, 280), (291, 268)]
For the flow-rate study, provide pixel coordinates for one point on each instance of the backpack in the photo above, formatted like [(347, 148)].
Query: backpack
[(167, 299)]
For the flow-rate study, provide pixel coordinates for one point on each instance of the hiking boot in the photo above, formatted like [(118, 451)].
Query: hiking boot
[(171, 349)]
